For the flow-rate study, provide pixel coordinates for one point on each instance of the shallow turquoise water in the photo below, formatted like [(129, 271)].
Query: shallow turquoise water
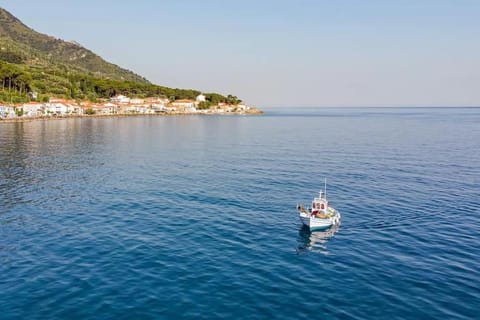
[(194, 216)]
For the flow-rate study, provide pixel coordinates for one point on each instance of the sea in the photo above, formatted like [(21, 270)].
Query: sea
[(194, 217)]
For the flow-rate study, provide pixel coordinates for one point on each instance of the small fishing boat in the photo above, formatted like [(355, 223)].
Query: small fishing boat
[(320, 216)]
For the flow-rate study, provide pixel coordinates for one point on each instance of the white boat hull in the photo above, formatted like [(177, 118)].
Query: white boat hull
[(315, 223)]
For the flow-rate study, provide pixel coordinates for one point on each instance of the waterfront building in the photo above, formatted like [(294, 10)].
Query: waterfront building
[(32, 109), (201, 98), (7, 111), (120, 99), (184, 105), (56, 108)]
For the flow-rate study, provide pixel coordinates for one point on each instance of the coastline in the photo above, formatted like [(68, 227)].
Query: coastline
[(125, 115)]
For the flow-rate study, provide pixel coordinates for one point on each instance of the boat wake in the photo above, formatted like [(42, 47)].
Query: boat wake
[(384, 221)]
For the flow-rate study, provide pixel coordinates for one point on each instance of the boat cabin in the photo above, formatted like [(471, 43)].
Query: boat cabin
[(320, 204)]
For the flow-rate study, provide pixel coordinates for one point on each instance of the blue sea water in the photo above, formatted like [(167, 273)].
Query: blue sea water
[(194, 216)]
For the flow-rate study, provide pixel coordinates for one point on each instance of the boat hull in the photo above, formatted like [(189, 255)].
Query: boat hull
[(315, 223)]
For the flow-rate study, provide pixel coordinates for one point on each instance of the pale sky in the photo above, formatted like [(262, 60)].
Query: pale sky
[(283, 53)]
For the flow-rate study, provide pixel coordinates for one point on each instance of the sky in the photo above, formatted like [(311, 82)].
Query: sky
[(283, 52)]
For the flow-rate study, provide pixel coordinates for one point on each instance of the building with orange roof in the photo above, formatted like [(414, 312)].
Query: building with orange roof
[(184, 105), (33, 109)]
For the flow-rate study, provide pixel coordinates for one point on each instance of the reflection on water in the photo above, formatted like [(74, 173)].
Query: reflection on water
[(314, 241)]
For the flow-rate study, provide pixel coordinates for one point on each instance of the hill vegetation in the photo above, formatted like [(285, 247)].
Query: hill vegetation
[(34, 62)]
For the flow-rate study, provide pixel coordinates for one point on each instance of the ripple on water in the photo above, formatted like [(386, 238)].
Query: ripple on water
[(194, 217)]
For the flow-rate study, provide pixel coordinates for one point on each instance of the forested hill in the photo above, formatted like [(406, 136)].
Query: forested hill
[(35, 62), (20, 43)]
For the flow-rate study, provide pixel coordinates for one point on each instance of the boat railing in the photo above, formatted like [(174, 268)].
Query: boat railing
[(302, 208)]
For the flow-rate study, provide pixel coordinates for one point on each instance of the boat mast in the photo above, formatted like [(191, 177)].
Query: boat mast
[(325, 188)]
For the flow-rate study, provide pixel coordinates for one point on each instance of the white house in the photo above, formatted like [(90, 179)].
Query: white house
[(184, 105), (103, 109), (56, 108), (78, 110), (159, 107), (120, 99), (32, 109), (7, 112), (140, 108), (242, 107), (33, 95), (132, 109), (145, 109), (149, 110), (170, 108), (111, 107), (201, 98), (137, 101), (70, 108), (156, 100), (99, 109)]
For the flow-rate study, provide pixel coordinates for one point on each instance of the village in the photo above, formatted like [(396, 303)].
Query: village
[(117, 105)]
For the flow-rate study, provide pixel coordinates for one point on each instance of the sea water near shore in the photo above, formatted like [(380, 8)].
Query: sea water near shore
[(194, 217)]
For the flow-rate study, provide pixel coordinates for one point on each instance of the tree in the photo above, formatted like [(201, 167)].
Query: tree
[(233, 100), (203, 105)]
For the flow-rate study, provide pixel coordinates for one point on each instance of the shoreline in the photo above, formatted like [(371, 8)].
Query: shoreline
[(123, 115)]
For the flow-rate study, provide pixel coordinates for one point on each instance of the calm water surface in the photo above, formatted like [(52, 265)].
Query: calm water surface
[(194, 217)]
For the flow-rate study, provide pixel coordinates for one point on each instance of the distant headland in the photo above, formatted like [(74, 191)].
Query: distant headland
[(45, 77)]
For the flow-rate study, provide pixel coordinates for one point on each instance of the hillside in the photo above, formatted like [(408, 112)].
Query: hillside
[(20, 43), (31, 62)]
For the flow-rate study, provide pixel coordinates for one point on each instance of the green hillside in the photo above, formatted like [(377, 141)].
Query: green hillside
[(35, 62), (20, 43)]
